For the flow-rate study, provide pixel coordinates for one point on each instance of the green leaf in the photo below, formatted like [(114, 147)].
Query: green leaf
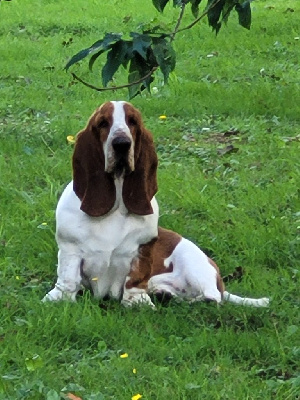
[(138, 69), (128, 55), (165, 56), (214, 11), (195, 7), (94, 58), (244, 12), (100, 45), (141, 43), (133, 76), (228, 7), (117, 55), (82, 54), (34, 363), (160, 4)]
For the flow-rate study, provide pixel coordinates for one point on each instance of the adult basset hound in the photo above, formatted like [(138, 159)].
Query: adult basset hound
[(107, 222), (109, 208)]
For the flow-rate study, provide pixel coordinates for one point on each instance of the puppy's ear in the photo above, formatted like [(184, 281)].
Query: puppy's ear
[(141, 185), (94, 187)]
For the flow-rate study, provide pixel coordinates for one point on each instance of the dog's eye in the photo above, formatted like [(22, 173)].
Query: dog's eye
[(132, 121), (103, 124)]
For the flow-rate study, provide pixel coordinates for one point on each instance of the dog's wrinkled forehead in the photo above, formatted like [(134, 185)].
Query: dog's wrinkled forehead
[(114, 113), (115, 117)]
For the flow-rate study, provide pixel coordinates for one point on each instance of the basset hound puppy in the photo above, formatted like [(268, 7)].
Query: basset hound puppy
[(179, 269), (109, 209)]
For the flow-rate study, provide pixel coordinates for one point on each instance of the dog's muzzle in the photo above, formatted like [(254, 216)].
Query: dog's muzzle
[(121, 146)]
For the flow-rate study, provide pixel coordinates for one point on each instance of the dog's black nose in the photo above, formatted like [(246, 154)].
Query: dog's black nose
[(121, 144)]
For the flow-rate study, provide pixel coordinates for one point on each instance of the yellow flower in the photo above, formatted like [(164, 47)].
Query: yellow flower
[(163, 117), (95, 279), (134, 371), (44, 223), (71, 139), (124, 355), (136, 397)]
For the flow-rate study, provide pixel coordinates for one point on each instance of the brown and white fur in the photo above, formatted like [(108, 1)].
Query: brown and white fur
[(109, 209), (107, 222), (173, 265)]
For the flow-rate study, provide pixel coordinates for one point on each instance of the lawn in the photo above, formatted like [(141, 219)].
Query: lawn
[(228, 180)]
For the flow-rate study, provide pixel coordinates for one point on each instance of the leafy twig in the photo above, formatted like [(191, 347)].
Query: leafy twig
[(172, 37), (162, 50)]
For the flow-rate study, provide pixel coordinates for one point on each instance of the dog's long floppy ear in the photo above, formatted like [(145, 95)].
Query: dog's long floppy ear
[(141, 185), (94, 187)]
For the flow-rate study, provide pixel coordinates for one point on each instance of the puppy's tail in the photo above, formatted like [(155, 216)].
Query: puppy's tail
[(246, 301)]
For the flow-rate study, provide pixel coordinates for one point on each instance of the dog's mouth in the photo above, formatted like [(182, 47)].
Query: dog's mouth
[(121, 167)]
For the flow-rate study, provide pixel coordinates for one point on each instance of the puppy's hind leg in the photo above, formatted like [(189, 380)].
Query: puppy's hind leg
[(164, 284)]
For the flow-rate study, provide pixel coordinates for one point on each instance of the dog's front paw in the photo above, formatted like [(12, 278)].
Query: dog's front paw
[(56, 294)]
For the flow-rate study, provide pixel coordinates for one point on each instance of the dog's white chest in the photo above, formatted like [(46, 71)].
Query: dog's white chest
[(105, 246)]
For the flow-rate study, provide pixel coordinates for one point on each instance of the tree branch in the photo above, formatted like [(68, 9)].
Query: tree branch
[(103, 89), (199, 18), (172, 35)]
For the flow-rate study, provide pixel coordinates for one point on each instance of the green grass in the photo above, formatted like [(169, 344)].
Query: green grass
[(240, 204)]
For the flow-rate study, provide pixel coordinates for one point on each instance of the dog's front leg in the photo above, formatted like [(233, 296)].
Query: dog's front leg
[(68, 277)]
